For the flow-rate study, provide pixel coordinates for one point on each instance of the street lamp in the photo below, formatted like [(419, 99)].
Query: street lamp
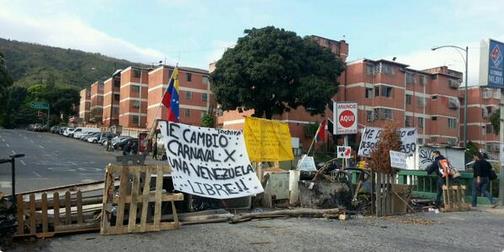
[(466, 58)]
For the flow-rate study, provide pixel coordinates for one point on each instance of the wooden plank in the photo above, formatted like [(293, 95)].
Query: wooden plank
[(135, 168), (174, 211), (105, 220), (122, 194), (157, 203), (145, 199), (33, 217), (56, 209), (134, 203), (77, 227), (20, 214), (79, 208), (151, 197), (68, 212), (45, 225)]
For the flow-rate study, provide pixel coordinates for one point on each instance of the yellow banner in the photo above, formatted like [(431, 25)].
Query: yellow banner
[(267, 140)]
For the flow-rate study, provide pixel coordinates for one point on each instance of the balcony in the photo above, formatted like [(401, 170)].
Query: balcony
[(454, 83)]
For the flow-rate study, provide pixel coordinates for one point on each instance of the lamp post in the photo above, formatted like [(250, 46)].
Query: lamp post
[(466, 58)]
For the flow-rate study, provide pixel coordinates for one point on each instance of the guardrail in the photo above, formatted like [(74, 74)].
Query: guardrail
[(425, 185)]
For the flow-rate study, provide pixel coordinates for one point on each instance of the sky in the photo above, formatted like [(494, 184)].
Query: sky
[(196, 32)]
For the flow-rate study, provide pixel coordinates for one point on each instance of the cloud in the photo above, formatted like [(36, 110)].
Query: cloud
[(220, 47), (68, 31)]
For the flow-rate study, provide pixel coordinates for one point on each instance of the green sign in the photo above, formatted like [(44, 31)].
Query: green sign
[(40, 105)]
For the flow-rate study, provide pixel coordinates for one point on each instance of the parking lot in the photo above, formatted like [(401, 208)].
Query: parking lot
[(51, 160)]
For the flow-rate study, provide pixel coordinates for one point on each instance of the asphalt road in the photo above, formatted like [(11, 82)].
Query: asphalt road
[(51, 160), (462, 231)]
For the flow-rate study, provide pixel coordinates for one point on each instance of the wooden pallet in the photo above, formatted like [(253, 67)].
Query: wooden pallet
[(128, 208), (453, 198), (54, 213)]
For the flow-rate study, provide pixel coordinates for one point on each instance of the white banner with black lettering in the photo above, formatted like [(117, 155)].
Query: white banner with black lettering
[(371, 135), (209, 162)]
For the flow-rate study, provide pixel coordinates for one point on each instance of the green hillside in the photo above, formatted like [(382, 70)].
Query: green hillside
[(30, 64)]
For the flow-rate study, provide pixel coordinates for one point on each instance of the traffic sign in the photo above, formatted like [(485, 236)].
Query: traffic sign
[(345, 116), (40, 105)]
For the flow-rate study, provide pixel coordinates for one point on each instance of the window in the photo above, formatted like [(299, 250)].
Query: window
[(434, 97), (420, 122), (204, 97), (136, 73), (369, 115), (188, 95), (383, 91), (116, 97), (420, 140), (369, 69), (117, 83), (408, 99), (115, 111), (386, 69), (434, 118), (187, 113), (452, 123), (135, 89), (188, 76), (489, 129), (135, 119), (205, 80), (408, 121), (136, 104), (423, 79), (387, 113), (369, 93), (410, 78), (420, 102)]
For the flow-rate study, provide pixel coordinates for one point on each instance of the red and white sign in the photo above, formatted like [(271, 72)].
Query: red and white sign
[(345, 116), (344, 152)]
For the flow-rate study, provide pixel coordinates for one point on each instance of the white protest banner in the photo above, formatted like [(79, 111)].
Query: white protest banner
[(343, 152), (306, 163), (398, 159), (209, 162), (371, 135)]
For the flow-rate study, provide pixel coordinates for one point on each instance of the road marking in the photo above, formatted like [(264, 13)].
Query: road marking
[(37, 174), (5, 184), (13, 153), (22, 162), (50, 168), (31, 141), (8, 146), (42, 147), (81, 169)]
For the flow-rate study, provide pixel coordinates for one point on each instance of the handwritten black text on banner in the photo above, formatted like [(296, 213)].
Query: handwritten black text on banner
[(209, 162), (371, 135)]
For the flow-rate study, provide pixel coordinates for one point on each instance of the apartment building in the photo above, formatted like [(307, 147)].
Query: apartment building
[(85, 104), (133, 97), (481, 104), (195, 96), (96, 108), (298, 118), (390, 91), (111, 98)]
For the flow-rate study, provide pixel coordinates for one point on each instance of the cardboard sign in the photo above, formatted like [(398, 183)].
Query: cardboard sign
[(371, 136), (343, 152), (209, 162), (345, 116), (267, 140), (398, 159), (306, 163)]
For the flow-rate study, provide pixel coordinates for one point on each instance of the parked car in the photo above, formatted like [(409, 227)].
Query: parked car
[(79, 131), (69, 132), (62, 130), (54, 129), (120, 144), (94, 135)]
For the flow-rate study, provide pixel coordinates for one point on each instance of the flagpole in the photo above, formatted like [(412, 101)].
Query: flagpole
[(313, 140), (161, 104)]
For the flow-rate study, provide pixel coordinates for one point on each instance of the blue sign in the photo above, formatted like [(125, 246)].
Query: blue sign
[(496, 64)]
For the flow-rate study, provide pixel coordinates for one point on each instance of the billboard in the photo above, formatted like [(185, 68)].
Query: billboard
[(345, 118), (492, 64)]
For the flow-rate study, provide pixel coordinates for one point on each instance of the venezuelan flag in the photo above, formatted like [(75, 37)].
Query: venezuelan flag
[(171, 98)]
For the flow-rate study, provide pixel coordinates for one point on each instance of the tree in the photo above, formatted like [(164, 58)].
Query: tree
[(495, 121), (380, 157), (207, 121), (5, 83), (14, 102), (272, 70)]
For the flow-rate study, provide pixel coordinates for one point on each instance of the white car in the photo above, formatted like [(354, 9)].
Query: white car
[(93, 139), (68, 132), (80, 131)]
